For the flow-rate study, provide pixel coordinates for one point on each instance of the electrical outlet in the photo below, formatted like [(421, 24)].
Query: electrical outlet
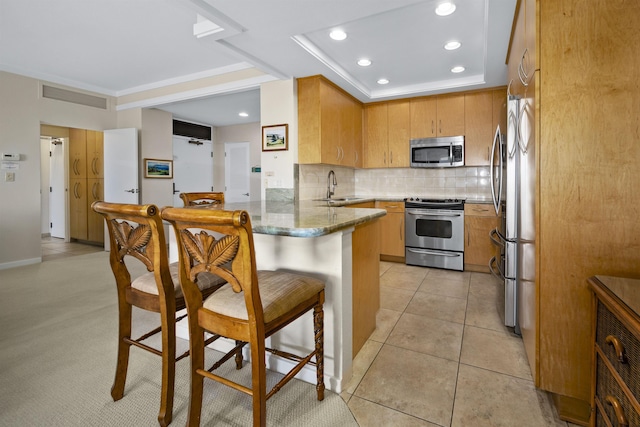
[(9, 176)]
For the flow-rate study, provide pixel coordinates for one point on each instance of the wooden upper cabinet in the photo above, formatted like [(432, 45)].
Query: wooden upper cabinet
[(479, 131), (434, 116), (329, 124), (376, 136), (77, 153), (387, 133), (399, 125), (450, 115), (423, 117), (95, 149)]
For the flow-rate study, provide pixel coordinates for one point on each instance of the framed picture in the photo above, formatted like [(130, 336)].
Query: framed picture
[(275, 138), (154, 168)]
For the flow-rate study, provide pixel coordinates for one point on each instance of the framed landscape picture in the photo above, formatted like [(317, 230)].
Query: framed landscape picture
[(155, 168), (275, 138)]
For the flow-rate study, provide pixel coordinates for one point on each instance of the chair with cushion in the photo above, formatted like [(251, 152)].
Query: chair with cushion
[(136, 233), (194, 199), (249, 308)]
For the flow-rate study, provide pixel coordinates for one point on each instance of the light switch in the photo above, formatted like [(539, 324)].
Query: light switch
[(9, 176)]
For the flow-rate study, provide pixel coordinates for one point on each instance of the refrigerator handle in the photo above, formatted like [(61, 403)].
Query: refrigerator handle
[(496, 198)]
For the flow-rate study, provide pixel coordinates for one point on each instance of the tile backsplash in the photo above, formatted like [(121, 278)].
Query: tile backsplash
[(467, 182)]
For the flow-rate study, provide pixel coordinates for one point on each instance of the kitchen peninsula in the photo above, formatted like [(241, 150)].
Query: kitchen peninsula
[(338, 245)]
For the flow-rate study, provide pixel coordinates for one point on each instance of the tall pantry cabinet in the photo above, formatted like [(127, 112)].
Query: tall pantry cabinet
[(583, 105), (86, 183)]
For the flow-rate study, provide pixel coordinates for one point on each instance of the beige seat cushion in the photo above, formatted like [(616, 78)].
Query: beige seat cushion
[(147, 282), (279, 292)]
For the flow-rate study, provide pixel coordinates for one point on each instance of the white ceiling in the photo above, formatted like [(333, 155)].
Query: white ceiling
[(119, 47)]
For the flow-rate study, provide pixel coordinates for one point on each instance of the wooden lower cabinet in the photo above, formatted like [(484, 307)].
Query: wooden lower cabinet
[(392, 241), (78, 208), (615, 385), (95, 221), (479, 220)]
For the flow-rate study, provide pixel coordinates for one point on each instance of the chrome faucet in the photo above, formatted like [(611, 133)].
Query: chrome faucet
[(331, 185)]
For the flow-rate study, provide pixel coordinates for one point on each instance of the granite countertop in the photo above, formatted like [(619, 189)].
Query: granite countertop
[(306, 218), (627, 290)]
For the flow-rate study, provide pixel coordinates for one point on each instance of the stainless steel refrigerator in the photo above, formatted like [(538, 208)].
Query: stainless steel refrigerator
[(513, 191)]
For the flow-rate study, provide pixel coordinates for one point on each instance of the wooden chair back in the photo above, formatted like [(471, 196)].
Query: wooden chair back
[(194, 199), (219, 242), (136, 232)]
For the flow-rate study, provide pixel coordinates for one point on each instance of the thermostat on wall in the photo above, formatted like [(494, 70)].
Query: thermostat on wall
[(10, 156)]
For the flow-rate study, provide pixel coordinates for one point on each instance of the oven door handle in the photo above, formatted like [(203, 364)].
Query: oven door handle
[(427, 252), (423, 213)]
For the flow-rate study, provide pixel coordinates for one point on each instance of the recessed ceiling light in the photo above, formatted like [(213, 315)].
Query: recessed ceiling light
[(243, 114), (364, 62), (452, 45), (446, 8), (457, 69), (338, 35), (383, 81)]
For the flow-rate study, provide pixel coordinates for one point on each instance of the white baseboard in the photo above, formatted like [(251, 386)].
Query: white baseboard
[(20, 263)]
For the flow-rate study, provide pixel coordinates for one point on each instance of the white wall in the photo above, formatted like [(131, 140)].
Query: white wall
[(156, 142), (21, 112), (279, 105)]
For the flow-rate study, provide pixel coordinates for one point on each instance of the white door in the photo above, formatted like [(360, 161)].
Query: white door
[(57, 202), (121, 162), (121, 166), (192, 167), (236, 171)]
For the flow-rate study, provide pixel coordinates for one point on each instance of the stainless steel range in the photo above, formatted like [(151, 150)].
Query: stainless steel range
[(434, 232)]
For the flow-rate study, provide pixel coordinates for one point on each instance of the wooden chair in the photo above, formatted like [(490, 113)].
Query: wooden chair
[(249, 308), (194, 199), (136, 232)]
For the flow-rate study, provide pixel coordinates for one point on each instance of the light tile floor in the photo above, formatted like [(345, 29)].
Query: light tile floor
[(55, 248), (441, 356)]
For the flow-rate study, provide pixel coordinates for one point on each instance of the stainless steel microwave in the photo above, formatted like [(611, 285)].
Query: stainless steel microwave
[(443, 152)]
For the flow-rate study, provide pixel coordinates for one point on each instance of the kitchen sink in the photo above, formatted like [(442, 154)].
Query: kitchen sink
[(337, 199)]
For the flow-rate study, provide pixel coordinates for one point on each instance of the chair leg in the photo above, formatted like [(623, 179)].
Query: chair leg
[(124, 331), (259, 382), (168, 366), (238, 355), (196, 348), (318, 326)]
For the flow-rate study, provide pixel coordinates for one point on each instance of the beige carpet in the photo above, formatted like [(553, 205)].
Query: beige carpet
[(57, 360)]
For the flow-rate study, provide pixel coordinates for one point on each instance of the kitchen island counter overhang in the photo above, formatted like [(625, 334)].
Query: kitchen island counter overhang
[(325, 242)]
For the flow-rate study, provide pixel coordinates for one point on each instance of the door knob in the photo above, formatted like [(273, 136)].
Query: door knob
[(245, 194), (130, 191)]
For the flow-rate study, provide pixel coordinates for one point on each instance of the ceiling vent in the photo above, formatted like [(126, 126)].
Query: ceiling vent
[(73, 97), (191, 130)]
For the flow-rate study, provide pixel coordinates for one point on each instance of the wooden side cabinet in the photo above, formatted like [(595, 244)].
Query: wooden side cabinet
[(616, 352), (86, 182), (479, 220)]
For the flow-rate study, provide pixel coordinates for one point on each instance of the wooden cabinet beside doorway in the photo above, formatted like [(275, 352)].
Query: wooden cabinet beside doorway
[(86, 184)]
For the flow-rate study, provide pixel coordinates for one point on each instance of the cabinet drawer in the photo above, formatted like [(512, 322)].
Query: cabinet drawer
[(391, 206), (607, 387), (610, 326), (479, 209)]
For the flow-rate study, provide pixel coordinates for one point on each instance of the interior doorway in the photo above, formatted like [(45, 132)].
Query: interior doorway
[(192, 167), (237, 169), (53, 201)]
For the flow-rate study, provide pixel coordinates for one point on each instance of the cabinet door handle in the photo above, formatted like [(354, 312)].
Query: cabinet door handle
[(618, 409), (391, 157), (432, 125), (356, 151), (440, 126), (94, 191), (384, 158), (618, 347)]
